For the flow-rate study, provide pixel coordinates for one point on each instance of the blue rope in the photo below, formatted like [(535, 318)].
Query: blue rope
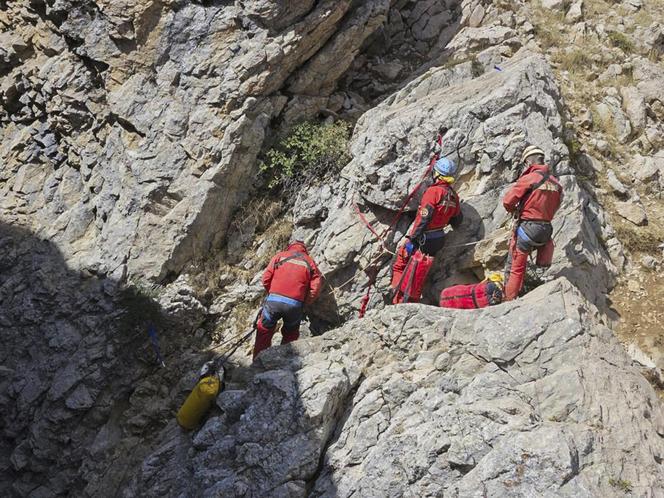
[(152, 332)]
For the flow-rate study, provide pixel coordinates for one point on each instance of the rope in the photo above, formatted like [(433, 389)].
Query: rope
[(381, 237), (154, 339), (397, 216), (234, 347)]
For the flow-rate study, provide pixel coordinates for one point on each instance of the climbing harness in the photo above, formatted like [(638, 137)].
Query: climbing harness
[(154, 339)]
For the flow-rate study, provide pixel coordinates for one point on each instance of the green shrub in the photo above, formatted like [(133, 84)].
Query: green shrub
[(621, 484), (307, 153), (622, 41)]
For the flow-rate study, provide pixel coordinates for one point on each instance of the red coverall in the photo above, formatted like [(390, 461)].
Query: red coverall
[(439, 207), (536, 208), (291, 280)]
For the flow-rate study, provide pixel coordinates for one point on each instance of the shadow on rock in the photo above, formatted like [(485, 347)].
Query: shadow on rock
[(79, 384)]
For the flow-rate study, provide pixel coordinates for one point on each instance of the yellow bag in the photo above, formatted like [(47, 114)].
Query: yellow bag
[(198, 402)]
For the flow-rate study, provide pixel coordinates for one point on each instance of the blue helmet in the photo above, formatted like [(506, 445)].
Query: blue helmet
[(445, 167)]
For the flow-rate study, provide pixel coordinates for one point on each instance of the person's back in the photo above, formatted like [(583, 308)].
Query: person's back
[(291, 280), (290, 274), (538, 193)]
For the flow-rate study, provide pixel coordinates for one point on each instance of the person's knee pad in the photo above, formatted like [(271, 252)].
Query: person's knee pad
[(264, 329), (266, 321)]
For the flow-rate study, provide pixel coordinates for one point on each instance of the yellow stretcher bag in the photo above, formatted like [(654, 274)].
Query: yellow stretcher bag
[(198, 402)]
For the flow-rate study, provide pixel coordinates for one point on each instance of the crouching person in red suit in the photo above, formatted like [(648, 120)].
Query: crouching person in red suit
[(291, 280)]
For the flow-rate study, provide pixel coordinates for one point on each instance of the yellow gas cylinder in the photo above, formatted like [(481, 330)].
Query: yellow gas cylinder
[(198, 402)]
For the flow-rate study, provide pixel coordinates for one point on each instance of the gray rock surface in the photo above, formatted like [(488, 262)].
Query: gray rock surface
[(490, 118), (128, 135), (130, 130), (633, 211), (532, 398)]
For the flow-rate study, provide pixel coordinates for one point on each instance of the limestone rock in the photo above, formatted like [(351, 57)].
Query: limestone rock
[(420, 401), (575, 12), (471, 39), (180, 302), (633, 212), (553, 4), (490, 118), (138, 124), (616, 184), (476, 17), (633, 5), (635, 107), (613, 118)]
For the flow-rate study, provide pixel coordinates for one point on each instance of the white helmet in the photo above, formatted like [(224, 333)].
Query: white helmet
[(531, 150)]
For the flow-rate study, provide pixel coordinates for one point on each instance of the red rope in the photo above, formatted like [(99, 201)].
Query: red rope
[(381, 237), (365, 302), (397, 216)]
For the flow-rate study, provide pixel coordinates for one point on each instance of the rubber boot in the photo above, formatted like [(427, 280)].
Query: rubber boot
[(263, 337)]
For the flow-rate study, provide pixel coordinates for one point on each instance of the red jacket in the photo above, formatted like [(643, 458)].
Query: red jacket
[(439, 205), (539, 204), (297, 278)]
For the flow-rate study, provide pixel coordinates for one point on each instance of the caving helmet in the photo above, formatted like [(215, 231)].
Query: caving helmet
[(445, 167), (531, 150), (496, 277), (297, 242)]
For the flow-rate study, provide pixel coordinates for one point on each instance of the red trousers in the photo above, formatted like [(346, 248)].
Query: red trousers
[(517, 261), (272, 312), (264, 336)]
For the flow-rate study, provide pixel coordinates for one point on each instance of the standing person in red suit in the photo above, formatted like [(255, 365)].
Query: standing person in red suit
[(291, 280), (534, 200), (439, 207)]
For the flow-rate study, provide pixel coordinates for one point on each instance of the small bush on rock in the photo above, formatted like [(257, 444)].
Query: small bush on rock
[(308, 152), (622, 41), (574, 61)]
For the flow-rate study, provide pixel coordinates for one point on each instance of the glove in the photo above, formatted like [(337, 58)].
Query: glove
[(409, 248)]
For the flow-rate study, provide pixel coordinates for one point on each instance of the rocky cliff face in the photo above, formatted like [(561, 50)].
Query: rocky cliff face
[(128, 118), (490, 112), (534, 398), (130, 132)]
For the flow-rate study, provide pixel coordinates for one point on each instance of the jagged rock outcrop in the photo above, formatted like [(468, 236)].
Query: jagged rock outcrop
[(129, 133), (130, 130), (490, 118), (532, 398)]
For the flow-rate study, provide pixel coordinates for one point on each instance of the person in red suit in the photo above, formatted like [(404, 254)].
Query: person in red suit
[(291, 280), (533, 200), (439, 207)]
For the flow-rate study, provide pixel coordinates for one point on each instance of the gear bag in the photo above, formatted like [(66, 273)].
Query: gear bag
[(471, 296), (412, 281)]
